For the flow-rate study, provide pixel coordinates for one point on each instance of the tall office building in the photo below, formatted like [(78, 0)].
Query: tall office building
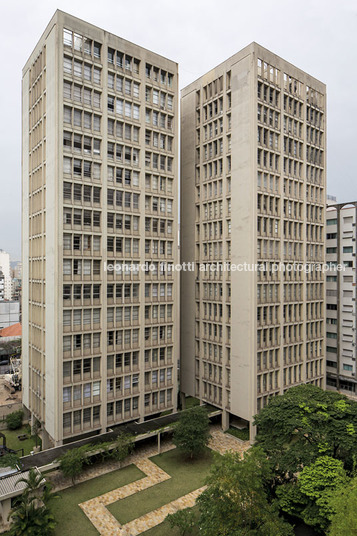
[(341, 249), (253, 191), (100, 185)]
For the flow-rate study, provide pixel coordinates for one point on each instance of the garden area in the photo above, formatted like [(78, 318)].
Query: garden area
[(66, 510), (13, 442), (186, 476), (300, 475)]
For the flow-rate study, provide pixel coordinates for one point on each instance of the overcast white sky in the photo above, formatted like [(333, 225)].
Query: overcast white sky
[(318, 36)]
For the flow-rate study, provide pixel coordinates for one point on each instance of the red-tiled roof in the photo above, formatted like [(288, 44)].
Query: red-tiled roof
[(12, 331)]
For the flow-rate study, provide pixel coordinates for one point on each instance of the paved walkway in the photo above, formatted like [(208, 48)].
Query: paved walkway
[(225, 442), (105, 522), (150, 520)]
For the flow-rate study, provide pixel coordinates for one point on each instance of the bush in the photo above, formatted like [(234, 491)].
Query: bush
[(10, 460), (14, 420)]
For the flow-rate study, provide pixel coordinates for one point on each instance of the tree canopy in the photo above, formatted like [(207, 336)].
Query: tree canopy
[(344, 510), (236, 499), (191, 434), (310, 497), (304, 423)]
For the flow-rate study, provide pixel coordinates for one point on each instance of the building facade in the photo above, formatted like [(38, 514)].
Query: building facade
[(341, 296), (6, 286), (100, 190), (253, 191), (9, 313)]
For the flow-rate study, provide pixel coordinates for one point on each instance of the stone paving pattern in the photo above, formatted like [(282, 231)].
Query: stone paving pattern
[(150, 520), (105, 522)]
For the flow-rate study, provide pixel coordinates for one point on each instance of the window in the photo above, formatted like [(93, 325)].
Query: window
[(67, 394), (331, 335), (96, 99), (87, 72), (111, 54), (67, 38), (67, 65), (67, 420), (96, 75), (119, 106), (349, 368)]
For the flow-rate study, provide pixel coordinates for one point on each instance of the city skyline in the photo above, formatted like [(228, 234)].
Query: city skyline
[(327, 51)]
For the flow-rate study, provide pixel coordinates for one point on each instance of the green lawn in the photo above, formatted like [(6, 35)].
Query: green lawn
[(71, 520), (186, 476), (13, 443), (242, 434), (191, 402)]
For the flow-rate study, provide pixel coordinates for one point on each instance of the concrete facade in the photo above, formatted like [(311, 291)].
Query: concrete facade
[(253, 191), (100, 186), (341, 326)]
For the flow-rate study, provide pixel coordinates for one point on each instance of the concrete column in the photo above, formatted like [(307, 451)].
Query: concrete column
[(159, 443), (183, 400), (5, 507), (225, 420), (252, 433), (46, 442)]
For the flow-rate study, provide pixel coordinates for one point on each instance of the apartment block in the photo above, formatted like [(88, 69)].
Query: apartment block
[(253, 191), (100, 229), (341, 326)]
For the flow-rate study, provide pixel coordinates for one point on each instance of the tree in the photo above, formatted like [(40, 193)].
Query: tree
[(310, 498), (184, 520), (36, 427), (31, 515), (14, 419), (124, 446), (34, 481), (344, 507), (73, 461), (237, 501), (306, 422), (191, 434)]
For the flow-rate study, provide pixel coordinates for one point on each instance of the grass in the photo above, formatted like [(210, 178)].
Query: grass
[(241, 434), (191, 402), (71, 520), (13, 443), (186, 476)]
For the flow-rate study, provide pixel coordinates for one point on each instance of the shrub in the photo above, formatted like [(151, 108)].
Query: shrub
[(14, 419), (10, 460)]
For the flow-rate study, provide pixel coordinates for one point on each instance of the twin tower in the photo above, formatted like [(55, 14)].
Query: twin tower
[(101, 186)]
